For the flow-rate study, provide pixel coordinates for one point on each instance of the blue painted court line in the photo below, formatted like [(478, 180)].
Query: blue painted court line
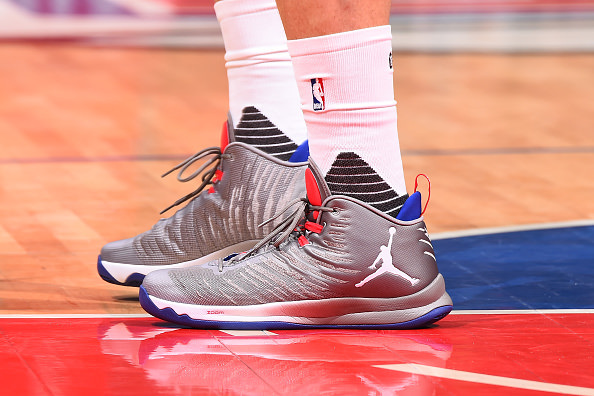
[(534, 269)]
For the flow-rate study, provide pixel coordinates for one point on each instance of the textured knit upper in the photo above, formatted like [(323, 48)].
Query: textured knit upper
[(254, 186)]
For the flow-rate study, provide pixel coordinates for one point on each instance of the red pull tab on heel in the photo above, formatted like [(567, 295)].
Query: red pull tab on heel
[(428, 192)]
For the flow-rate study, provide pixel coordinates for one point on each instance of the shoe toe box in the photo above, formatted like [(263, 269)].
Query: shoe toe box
[(120, 252), (163, 284)]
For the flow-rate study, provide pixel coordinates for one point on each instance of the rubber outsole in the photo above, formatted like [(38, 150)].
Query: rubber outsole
[(169, 315)]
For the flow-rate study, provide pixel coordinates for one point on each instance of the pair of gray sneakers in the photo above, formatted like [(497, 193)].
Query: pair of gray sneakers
[(324, 261)]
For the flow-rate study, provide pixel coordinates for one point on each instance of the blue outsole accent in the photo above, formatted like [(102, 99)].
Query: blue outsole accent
[(169, 315), (134, 280)]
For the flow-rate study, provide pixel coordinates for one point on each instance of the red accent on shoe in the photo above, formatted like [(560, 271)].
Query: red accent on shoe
[(429, 190), (217, 176), (303, 240), (313, 191), (313, 227), (224, 137)]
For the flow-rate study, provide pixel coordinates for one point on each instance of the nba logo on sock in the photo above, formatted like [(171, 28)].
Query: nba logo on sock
[(317, 90)]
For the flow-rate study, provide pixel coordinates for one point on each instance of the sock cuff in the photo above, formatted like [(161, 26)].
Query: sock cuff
[(340, 41), (233, 8), (345, 71), (266, 41)]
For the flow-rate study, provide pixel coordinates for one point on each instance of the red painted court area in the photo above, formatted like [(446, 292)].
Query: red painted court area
[(520, 354)]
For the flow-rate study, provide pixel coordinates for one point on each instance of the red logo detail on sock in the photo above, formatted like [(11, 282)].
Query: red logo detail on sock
[(317, 91)]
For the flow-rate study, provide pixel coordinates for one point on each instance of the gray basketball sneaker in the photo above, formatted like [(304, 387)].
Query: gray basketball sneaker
[(248, 187), (337, 263)]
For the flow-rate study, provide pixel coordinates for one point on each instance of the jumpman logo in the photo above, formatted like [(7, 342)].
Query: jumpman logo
[(387, 264), (317, 90)]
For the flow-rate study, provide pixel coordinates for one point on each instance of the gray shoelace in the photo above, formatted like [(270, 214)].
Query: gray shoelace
[(282, 231), (209, 168)]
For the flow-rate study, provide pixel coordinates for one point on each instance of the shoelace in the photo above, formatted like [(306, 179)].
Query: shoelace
[(285, 228), (207, 177)]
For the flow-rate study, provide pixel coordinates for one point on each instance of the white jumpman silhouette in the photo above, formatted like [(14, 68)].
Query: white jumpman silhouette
[(387, 265)]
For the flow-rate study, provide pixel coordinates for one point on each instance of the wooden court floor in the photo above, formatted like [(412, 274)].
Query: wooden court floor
[(85, 133)]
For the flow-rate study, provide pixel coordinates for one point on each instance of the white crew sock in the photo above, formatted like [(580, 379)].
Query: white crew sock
[(346, 86), (262, 89)]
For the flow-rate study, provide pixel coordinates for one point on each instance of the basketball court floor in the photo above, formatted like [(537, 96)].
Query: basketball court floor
[(91, 116)]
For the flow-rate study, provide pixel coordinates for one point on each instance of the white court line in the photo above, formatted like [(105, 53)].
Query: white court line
[(487, 379), (74, 316), (247, 333), (521, 311), (516, 228)]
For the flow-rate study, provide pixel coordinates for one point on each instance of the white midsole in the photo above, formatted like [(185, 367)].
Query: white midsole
[(225, 314), (121, 272), (314, 311)]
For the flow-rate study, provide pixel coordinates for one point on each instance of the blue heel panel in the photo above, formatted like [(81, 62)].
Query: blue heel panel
[(411, 210), (301, 154)]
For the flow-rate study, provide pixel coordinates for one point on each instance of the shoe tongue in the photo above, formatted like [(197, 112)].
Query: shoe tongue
[(317, 189)]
